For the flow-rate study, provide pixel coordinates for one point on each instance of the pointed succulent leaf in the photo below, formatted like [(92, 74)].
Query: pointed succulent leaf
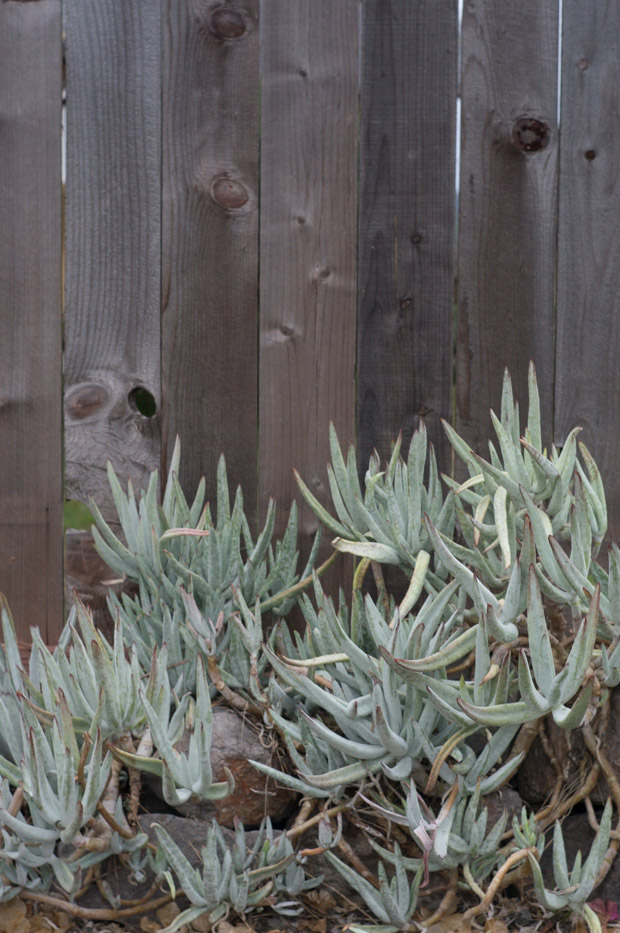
[(452, 652), (359, 884), (541, 653), (572, 718), (189, 878), (382, 553)]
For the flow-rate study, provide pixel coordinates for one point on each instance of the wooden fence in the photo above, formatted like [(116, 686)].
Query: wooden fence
[(259, 230)]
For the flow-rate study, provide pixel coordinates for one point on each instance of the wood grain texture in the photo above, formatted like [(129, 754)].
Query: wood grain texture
[(113, 206), (406, 221), (210, 240), (508, 205), (30, 316), (588, 317), (309, 75)]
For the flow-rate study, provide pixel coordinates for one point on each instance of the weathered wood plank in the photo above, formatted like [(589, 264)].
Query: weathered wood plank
[(113, 207), (508, 201), (210, 240), (406, 221), (588, 316), (309, 75), (30, 315)]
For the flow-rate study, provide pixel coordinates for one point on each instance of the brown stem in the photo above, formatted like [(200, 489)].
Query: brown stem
[(233, 699), (94, 913), (138, 901), (567, 805), (305, 810), (16, 801), (464, 665), (356, 863), (591, 781), (298, 829), (298, 587), (593, 744), (494, 886), (522, 871), (109, 819), (88, 878), (557, 767), (594, 823), (523, 742)]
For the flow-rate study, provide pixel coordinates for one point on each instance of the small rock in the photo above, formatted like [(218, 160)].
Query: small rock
[(235, 740), (500, 800)]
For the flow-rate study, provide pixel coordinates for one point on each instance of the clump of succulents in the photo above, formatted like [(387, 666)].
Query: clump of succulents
[(405, 714)]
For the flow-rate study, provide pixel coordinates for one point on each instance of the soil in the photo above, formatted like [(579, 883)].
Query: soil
[(325, 911)]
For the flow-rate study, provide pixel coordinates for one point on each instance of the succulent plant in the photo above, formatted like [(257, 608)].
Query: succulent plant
[(230, 876), (407, 713), (393, 904), (385, 523), (183, 775), (456, 836), (177, 547), (573, 888)]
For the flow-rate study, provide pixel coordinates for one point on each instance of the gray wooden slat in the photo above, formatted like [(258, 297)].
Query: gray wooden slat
[(113, 208), (588, 314), (30, 315), (309, 108), (406, 221), (210, 240), (508, 207)]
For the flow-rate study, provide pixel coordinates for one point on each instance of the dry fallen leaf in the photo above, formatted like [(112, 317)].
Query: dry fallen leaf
[(225, 927), (55, 921), (201, 924), (13, 917), (149, 926), (580, 927), (452, 924), (320, 900), (168, 913), (493, 925)]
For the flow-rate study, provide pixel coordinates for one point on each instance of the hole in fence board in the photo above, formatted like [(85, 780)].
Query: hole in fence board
[(142, 401), (77, 515)]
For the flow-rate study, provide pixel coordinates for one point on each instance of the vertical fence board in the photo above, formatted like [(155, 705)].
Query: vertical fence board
[(113, 206), (30, 315), (588, 318), (507, 223), (210, 240), (406, 220), (309, 75)]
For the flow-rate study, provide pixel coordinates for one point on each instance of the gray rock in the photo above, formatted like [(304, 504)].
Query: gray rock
[(236, 740)]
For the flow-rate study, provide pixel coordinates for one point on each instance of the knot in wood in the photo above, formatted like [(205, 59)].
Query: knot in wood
[(227, 23), (229, 193), (86, 399), (530, 135)]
